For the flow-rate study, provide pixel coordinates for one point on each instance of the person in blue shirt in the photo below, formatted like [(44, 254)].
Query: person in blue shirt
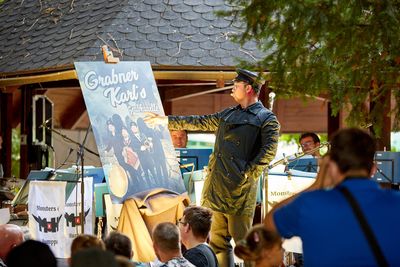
[(323, 218)]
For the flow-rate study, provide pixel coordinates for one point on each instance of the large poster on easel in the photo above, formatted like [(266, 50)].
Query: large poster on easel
[(135, 157)]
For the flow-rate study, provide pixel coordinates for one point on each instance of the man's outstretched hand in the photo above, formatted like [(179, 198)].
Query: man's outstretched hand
[(154, 119)]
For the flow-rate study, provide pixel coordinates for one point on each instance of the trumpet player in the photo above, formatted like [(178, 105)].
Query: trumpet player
[(308, 142)]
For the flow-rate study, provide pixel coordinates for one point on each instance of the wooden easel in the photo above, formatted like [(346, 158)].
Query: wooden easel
[(108, 55)]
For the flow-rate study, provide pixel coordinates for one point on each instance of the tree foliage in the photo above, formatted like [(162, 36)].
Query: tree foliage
[(348, 50)]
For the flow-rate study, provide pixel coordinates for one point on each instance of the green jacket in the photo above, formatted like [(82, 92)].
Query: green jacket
[(246, 142)]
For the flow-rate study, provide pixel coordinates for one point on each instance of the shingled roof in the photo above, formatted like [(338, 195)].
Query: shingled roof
[(46, 34)]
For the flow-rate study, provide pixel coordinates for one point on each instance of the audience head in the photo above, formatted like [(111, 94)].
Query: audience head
[(85, 241), (195, 223), (93, 257), (309, 141), (119, 244), (353, 149), (31, 253), (179, 138), (261, 246), (11, 236), (124, 262), (166, 241)]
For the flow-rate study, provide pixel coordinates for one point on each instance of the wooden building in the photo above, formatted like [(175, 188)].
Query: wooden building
[(189, 47)]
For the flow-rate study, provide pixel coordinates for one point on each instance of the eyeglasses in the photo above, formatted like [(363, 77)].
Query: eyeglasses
[(182, 222), (306, 144)]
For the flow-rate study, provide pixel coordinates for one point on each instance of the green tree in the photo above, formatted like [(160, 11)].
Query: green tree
[(346, 50)]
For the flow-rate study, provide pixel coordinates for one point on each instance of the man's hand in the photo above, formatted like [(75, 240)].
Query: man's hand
[(153, 119), (323, 179)]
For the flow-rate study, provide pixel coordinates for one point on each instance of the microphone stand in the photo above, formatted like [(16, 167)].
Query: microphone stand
[(72, 141), (81, 150), (81, 157)]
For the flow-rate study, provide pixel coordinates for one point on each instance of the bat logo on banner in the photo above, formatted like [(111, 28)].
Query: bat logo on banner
[(48, 226), (74, 220)]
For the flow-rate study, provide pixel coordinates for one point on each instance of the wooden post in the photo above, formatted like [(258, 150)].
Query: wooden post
[(6, 131), (263, 97), (26, 129), (383, 141), (167, 105)]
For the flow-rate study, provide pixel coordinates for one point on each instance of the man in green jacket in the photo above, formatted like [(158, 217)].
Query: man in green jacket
[(246, 142)]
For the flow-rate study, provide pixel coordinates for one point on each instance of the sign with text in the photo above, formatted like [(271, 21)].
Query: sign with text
[(46, 210), (135, 157), (72, 213), (280, 187)]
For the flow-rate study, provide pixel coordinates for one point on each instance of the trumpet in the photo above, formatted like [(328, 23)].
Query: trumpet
[(295, 156)]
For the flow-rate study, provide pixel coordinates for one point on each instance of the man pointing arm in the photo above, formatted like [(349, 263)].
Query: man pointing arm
[(246, 141)]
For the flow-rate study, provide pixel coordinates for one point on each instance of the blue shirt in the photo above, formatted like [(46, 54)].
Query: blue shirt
[(330, 232)]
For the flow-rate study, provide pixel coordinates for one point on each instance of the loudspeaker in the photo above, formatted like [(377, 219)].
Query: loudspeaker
[(42, 114), (388, 164)]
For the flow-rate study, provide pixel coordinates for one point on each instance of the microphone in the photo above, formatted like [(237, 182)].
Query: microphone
[(44, 124), (271, 99)]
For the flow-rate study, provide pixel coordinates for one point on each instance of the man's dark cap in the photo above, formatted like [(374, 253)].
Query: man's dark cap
[(246, 76)]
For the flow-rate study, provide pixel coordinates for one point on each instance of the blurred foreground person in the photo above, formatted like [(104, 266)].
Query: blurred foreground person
[(10, 236), (84, 241), (119, 244), (31, 253), (344, 218), (261, 246), (93, 257)]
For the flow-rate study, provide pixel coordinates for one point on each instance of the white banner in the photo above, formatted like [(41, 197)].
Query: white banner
[(113, 211), (281, 187), (72, 214), (46, 203)]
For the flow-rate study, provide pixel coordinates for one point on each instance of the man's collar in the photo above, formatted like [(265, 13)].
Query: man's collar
[(253, 108)]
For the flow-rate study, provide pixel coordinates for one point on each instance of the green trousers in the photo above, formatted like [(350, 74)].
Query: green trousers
[(224, 227)]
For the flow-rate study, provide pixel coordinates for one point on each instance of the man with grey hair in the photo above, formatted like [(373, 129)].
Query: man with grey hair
[(167, 246), (10, 236)]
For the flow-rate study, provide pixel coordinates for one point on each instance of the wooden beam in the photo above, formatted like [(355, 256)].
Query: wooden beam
[(51, 77), (158, 75), (83, 116), (198, 93), (77, 108), (177, 91), (195, 75)]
